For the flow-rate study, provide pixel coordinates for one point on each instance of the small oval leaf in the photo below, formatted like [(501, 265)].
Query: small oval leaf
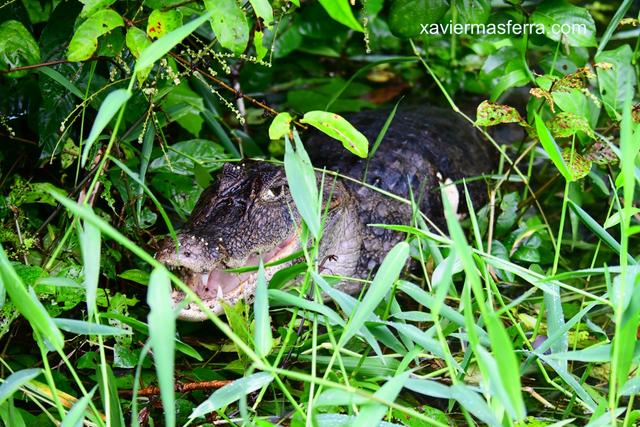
[(339, 128)]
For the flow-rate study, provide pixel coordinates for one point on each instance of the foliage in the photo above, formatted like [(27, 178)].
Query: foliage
[(114, 116)]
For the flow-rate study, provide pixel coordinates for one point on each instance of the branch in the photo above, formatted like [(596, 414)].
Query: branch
[(180, 388)]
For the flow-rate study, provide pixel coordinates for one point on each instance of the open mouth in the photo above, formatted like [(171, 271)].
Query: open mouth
[(217, 286)]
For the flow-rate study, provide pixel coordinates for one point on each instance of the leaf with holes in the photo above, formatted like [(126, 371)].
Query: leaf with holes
[(491, 114), (566, 124), (577, 164)]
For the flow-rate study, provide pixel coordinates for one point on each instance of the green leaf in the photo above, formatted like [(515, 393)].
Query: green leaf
[(263, 10), (161, 23), (615, 78), (507, 383), (75, 416), (280, 126), (473, 11), (229, 24), (340, 10), (262, 322), (566, 124), (184, 155), (90, 244), (16, 380), (613, 24), (85, 40), (388, 273), (137, 41), (491, 114), (406, 16), (108, 109), (135, 275), (232, 392), (565, 22), (17, 48), (62, 80), (163, 45), (28, 304), (578, 165), (552, 149), (515, 78), (463, 394), (91, 6), (339, 128), (301, 179), (597, 229), (80, 327), (162, 329), (372, 413)]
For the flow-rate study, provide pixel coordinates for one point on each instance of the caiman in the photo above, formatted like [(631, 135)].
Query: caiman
[(248, 213)]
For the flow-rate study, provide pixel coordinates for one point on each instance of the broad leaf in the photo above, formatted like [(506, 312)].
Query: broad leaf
[(85, 40), (17, 48)]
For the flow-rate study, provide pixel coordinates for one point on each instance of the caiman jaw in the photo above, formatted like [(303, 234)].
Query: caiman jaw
[(217, 286)]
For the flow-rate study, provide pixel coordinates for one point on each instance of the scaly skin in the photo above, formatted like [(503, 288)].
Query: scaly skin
[(248, 213)]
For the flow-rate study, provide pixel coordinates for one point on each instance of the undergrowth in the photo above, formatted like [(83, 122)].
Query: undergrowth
[(524, 312)]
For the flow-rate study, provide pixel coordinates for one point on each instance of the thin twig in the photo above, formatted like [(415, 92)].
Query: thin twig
[(180, 388)]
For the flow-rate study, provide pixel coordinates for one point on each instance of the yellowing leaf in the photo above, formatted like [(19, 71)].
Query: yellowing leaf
[(161, 23)]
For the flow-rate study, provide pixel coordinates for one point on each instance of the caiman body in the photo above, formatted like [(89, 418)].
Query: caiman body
[(248, 213)]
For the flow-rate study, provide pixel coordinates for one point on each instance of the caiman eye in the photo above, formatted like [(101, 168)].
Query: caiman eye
[(273, 193)]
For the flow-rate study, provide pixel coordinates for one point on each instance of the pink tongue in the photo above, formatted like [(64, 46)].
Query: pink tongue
[(230, 281), (227, 281)]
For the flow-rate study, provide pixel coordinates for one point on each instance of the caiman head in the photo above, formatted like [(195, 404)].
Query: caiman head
[(247, 214)]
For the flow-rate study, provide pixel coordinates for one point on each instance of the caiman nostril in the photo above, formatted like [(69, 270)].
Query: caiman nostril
[(187, 254)]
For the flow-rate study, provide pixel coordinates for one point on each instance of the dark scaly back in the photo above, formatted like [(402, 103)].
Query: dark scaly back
[(422, 147), (420, 142)]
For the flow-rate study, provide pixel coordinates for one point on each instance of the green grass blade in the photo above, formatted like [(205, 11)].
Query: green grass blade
[(149, 193), (598, 230), (302, 184), (232, 392), (62, 80), (372, 413), (142, 327), (388, 273), (280, 298), (501, 343), (613, 24), (80, 327), (555, 321), (262, 322), (89, 237), (108, 109), (16, 380), (383, 131), (571, 381), (162, 327), (75, 416), (28, 304), (337, 397), (552, 149)]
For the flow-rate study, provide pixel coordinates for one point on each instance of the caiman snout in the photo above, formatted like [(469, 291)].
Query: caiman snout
[(189, 254)]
